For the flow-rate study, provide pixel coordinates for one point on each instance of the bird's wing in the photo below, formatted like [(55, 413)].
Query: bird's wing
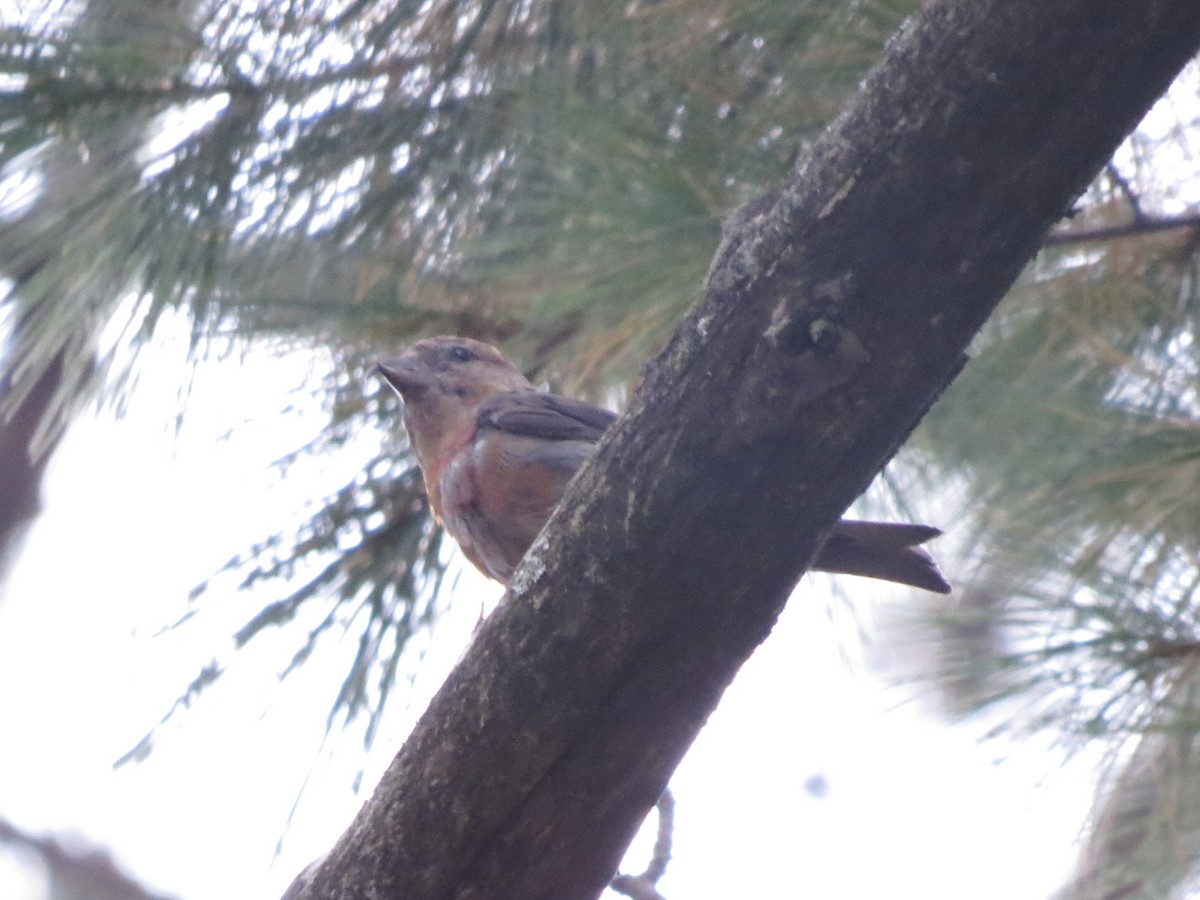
[(548, 417)]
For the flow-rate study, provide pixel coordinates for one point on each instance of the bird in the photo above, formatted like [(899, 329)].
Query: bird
[(496, 455)]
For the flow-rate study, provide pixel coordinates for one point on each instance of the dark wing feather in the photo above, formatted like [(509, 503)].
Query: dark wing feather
[(549, 417)]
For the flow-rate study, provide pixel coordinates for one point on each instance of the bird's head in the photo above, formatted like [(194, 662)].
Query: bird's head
[(442, 381)]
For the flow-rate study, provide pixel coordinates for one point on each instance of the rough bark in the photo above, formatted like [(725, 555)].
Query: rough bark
[(836, 310)]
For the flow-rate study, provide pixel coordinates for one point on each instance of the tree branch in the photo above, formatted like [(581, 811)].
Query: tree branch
[(837, 308), (1139, 226), (76, 870), (645, 885), (1126, 189)]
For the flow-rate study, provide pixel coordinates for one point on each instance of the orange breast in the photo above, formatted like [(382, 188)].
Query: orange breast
[(497, 495)]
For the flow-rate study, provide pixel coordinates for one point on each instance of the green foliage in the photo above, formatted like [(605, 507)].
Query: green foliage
[(362, 173), (1073, 440)]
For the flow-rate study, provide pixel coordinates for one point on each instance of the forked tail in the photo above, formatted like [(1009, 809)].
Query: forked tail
[(886, 550)]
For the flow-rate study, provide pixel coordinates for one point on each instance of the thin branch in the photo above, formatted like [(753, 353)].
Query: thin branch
[(1144, 225), (75, 868), (1123, 185), (645, 886), (83, 90)]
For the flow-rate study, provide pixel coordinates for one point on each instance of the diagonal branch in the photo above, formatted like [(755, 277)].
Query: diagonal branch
[(837, 308)]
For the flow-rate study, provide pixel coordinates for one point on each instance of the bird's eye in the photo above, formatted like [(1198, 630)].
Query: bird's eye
[(461, 354)]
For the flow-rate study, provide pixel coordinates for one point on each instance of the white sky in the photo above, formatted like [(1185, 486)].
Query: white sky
[(913, 807)]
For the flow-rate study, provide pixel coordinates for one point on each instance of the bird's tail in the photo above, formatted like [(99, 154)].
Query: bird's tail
[(886, 550)]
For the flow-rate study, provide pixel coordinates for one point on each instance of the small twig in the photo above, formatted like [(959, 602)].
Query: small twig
[(1143, 225), (1125, 188), (644, 886)]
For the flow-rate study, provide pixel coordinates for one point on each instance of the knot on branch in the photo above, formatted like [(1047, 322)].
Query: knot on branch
[(815, 325), (825, 336), (824, 349)]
